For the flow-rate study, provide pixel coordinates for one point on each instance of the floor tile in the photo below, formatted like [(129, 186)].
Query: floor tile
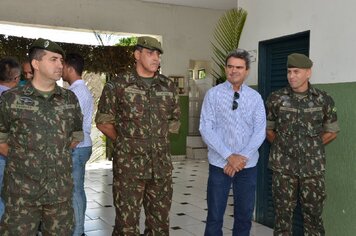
[(188, 211)]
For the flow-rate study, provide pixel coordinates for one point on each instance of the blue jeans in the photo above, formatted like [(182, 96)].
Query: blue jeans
[(80, 156), (2, 169), (244, 188)]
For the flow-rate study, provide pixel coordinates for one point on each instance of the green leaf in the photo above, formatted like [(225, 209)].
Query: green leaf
[(227, 36)]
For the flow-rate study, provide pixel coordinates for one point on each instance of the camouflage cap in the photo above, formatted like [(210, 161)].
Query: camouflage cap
[(47, 45), (297, 60), (150, 43)]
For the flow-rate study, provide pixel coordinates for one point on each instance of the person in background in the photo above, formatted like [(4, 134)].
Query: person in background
[(10, 72), (233, 125), (39, 125), (301, 120), (27, 73), (72, 73), (137, 110)]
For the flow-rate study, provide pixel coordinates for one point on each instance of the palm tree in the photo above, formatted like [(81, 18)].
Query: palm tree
[(227, 36)]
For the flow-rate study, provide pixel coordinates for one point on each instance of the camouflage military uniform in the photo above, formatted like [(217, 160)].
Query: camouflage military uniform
[(38, 181), (142, 115), (297, 155)]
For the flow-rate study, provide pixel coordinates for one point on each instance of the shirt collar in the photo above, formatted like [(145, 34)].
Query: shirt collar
[(311, 90), (229, 86), (136, 79), (30, 90), (77, 82), (4, 88)]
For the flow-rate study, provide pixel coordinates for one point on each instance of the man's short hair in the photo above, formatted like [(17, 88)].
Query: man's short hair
[(7, 65), (239, 53), (76, 61), (36, 54)]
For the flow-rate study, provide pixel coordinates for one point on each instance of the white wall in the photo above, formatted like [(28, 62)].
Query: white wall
[(186, 31), (332, 33)]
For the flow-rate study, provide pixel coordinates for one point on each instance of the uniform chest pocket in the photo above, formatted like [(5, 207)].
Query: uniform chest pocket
[(314, 114), (133, 105), (313, 120), (24, 118), (162, 103), (64, 112), (286, 117), (288, 114)]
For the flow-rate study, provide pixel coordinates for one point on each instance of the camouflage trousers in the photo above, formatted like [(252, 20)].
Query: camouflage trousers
[(130, 194), (286, 189), (19, 220)]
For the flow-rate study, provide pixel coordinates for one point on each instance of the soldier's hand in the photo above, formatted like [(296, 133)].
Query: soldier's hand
[(4, 149), (238, 162)]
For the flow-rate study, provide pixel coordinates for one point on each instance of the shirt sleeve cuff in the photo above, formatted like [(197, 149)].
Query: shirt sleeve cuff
[(244, 154), (104, 118), (3, 137), (331, 127), (226, 154), (77, 136)]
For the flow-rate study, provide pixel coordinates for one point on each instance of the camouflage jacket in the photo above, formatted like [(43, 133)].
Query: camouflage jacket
[(143, 115), (39, 131), (299, 121)]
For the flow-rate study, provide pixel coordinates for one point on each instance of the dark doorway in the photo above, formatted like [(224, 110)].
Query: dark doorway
[(273, 76)]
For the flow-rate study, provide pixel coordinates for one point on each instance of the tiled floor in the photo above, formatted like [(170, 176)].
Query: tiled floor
[(188, 210)]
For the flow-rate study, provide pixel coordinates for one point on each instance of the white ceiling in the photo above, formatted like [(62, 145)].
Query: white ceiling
[(211, 4)]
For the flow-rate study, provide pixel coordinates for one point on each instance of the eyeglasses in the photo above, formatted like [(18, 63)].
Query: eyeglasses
[(235, 105)]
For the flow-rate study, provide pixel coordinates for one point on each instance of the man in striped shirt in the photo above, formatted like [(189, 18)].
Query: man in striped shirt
[(72, 72), (232, 124)]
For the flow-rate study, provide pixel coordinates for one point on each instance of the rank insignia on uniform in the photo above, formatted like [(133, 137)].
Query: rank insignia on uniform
[(285, 97), (286, 104), (26, 100)]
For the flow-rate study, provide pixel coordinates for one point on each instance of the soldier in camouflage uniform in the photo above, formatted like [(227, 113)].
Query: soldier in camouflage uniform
[(39, 122), (10, 73), (301, 120), (137, 110)]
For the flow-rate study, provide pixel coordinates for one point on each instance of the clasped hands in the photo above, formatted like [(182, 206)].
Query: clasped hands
[(235, 163)]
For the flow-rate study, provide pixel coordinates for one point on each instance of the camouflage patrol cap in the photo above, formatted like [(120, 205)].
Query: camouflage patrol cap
[(150, 43), (47, 45), (297, 60)]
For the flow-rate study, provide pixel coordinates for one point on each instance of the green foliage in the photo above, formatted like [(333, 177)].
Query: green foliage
[(98, 59), (227, 36), (131, 41)]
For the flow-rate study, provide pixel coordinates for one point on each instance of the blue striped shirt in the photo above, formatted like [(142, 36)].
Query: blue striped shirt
[(3, 88), (86, 105), (226, 131)]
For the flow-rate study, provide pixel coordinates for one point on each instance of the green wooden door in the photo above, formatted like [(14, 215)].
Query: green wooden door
[(273, 76)]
